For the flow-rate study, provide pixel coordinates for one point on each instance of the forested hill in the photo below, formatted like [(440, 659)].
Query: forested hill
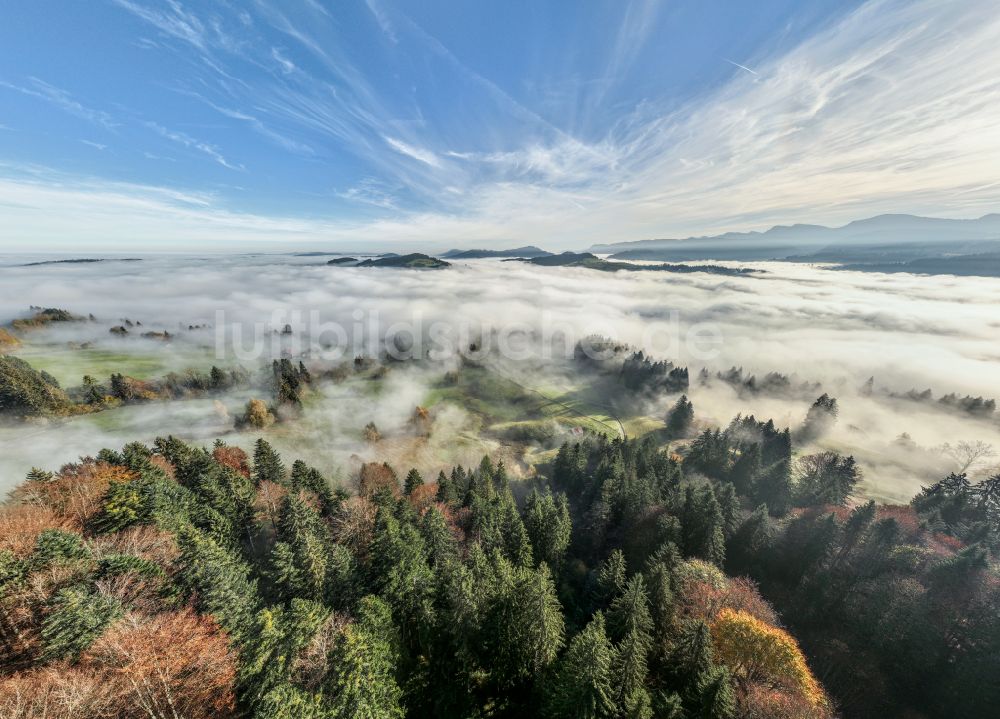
[(592, 262), (171, 580)]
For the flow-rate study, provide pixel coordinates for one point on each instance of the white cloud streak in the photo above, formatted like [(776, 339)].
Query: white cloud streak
[(63, 100), (417, 153), (741, 67), (286, 65), (192, 143)]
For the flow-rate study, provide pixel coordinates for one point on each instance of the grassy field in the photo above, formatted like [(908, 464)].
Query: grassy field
[(507, 404), (520, 412), (69, 365)]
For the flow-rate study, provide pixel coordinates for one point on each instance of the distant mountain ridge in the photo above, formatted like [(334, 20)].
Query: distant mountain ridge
[(526, 251), (800, 239)]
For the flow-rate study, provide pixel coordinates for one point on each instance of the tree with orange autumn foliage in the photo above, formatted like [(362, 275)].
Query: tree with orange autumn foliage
[(422, 497), (168, 665), (759, 653), (374, 477), (20, 525), (704, 600), (76, 492)]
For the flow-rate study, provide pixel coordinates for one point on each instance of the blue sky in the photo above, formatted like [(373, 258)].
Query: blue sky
[(170, 124)]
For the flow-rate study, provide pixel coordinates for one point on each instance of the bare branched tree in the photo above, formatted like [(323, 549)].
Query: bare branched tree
[(968, 454)]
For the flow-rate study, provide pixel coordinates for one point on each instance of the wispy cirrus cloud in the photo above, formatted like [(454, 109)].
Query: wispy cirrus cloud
[(282, 140), (63, 100), (286, 65), (173, 20), (417, 153), (192, 143), (370, 191), (383, 20)]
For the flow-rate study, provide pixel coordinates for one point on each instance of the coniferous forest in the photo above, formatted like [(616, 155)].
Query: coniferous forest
[(173, 580)]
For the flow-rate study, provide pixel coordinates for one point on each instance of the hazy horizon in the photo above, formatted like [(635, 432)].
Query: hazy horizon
[(244, 246)]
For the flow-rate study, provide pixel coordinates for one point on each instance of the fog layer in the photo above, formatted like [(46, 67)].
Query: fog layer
[(835, 328)]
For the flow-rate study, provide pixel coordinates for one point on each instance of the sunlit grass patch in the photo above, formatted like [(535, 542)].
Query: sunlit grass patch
[(69, 365)]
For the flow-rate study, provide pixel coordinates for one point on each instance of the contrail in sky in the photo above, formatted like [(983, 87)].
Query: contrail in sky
[(742, 67)]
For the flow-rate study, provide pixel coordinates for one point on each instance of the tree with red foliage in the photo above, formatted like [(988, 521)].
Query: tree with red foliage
[(233, 457)]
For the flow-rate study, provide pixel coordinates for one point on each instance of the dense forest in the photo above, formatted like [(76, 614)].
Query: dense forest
[(625, 580)]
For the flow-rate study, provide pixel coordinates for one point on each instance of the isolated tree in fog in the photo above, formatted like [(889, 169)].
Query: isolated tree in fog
[(820, 418), (371, 433), (680, 418)]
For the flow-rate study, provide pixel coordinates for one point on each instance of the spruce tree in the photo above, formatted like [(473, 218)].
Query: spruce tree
[(217, 378), (269, 649), (774, 483), (716, 699), (538, 626), (500, 480), (56, 546), (729, 505), (680, 418), (689, 665), (517, 544), (549, 527), (629, 620), (412, 481), (662, 607), (361, 678), (300, 555), (749, 541), (220, 581), (305, 477), (702, 524), (76, 618), (583, 686), (447, 493), (267, 466), (610, 579), (746, 469), (438, 539)]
